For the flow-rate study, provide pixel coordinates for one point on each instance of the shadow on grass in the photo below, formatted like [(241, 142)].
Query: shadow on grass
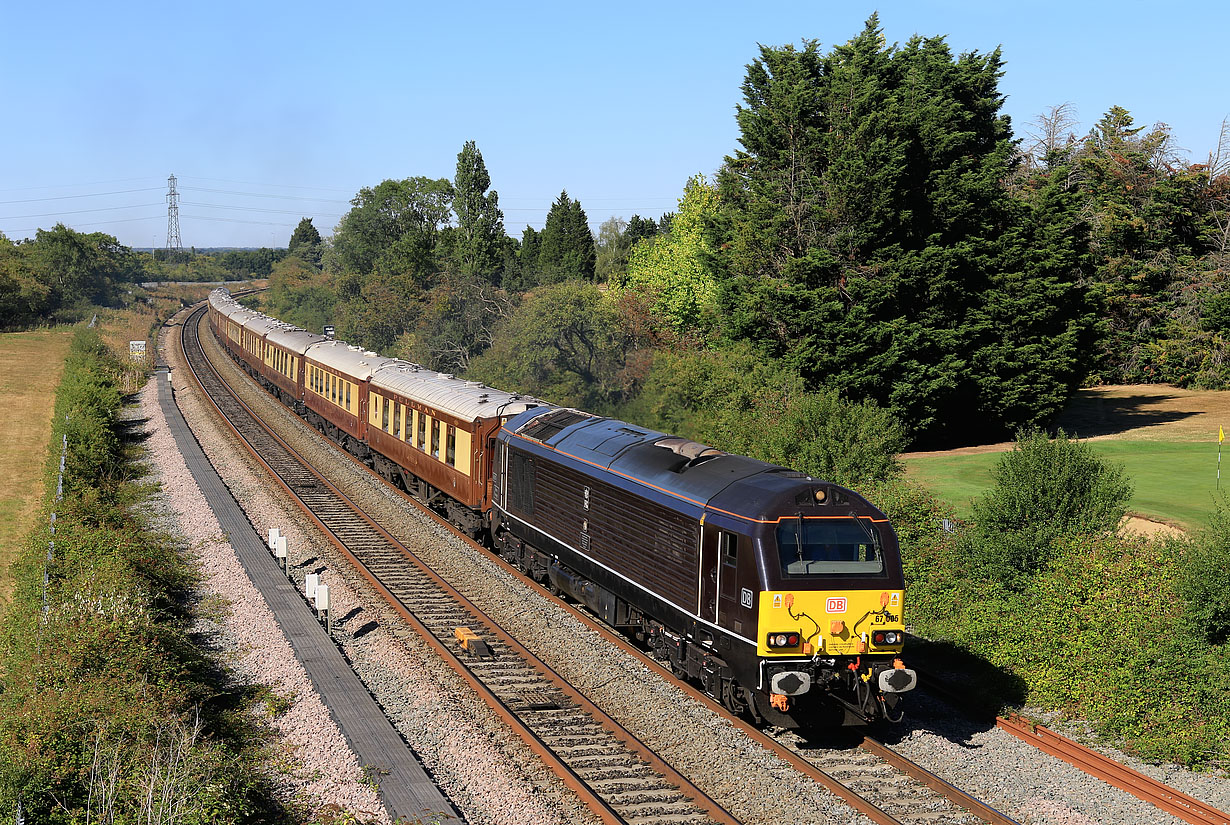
[(1091, 414)]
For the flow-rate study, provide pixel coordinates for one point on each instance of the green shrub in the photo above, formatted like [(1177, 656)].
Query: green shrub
[(1044, 490), (1204, 577)]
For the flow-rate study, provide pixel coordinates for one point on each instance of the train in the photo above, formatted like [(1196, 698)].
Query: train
[(778, 594)]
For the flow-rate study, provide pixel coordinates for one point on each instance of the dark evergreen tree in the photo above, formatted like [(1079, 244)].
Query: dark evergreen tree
[(639, 228), (480, 223), (566, 246), (305, 242), (864, 222)]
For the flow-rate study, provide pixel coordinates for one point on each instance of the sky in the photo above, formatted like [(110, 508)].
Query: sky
[(267, 111)]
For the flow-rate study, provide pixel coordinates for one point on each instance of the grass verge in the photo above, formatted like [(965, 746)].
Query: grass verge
[(30, 367)]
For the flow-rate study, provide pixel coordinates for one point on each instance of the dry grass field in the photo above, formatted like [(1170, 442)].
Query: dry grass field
[(30, 368)]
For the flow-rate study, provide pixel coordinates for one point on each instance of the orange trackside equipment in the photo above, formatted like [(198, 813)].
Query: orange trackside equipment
[(780, 701)]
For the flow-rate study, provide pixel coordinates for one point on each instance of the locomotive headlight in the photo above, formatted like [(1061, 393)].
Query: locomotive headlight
[(782, 640), (887, 637)]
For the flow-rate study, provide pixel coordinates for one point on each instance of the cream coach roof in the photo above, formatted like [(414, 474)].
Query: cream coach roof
[(293, 338), (467, 400), (260, 323), (222, 301), (353, 362)]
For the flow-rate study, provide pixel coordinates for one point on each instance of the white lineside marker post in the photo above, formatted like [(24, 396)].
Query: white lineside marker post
[(1221, 436), (273, 537), (322, 605), (310, 582), (279, 552)]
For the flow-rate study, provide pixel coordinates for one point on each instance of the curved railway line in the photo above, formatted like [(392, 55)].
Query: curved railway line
[(619, 778)]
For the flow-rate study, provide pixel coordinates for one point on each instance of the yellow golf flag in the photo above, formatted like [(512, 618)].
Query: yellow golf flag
[(1221, 434)]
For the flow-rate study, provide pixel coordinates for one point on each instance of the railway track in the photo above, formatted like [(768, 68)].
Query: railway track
[(882, 785), (619, 778), (1098, 765)]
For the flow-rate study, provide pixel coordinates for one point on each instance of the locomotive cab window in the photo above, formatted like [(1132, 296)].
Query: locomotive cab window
[(812, 547)]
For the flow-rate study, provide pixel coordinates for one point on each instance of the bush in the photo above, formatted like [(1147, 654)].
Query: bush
[(1044, 490), (1204, 577)]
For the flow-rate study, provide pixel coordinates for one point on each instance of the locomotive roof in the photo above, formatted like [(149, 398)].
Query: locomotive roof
[(733, 484), (353, 362), (673, 465), (468, 400), (293, 338)]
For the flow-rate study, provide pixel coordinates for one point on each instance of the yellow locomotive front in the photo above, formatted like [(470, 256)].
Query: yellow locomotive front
[(830, 624)]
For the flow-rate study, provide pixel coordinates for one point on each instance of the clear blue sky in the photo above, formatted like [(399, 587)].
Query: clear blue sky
[(270, 111)]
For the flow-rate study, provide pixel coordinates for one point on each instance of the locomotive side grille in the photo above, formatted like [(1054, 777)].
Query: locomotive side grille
[(640, 539)]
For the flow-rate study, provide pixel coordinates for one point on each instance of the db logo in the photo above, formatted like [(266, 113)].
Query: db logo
[(835, 604)]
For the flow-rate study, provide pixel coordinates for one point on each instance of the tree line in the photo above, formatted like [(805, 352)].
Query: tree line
[(880, 233)]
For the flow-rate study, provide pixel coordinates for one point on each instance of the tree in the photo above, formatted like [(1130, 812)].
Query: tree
[(393, 226), (564, 343), (566, 250), (80, 269), (480, 223), (675, 271), (456, 323), (306, 243), (862, 231), (611, 249), (1204, 577)]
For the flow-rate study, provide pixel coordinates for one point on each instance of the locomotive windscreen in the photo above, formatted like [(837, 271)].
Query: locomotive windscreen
[(814, 547)]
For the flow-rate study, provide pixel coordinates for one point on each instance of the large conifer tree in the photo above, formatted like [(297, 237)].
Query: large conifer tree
[(864, 222), (566, 249)]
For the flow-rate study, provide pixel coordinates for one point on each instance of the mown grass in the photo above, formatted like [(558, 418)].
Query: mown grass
[(1173, 482), (30, 367)]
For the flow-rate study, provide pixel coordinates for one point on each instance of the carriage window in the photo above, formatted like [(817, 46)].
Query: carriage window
[(384, 415), (812, 547), (421, 439), (450, 450), (347, 383), (397, 408), (729, 545), (435, 439)]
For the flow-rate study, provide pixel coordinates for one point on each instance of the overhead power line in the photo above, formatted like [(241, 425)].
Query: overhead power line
[(260, 195), (75, 183), (256, 209), (79, 211), (87, 195)]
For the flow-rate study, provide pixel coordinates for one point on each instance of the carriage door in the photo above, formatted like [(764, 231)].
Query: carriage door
[(709, 571)]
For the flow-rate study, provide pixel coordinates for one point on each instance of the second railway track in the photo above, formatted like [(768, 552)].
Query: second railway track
[(634, 785)]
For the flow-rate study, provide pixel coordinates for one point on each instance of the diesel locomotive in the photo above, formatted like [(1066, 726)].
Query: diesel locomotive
[(779, 594)]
